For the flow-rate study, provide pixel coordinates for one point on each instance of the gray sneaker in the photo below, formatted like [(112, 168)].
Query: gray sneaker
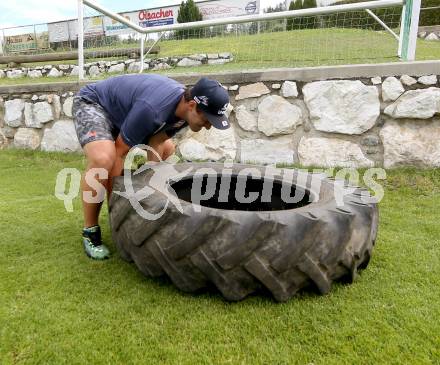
[(93, 245)]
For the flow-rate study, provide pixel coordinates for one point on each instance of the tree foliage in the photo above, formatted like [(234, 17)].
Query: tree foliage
[(430, 16), (189, 12), (307, 4), (391, 16), (302, 22), (294, 23), (275, 9)]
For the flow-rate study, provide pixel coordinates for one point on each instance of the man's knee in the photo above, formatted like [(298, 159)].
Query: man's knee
[(101, 154), (162, 145), (104, 160), (168, 148)]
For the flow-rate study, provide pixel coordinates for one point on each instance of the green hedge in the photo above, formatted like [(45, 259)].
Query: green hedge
[(360, 19), (392, 15), (430, 17)]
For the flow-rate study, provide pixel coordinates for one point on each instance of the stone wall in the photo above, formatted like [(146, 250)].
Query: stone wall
[(430, 33), (94, 69), (385, 121)]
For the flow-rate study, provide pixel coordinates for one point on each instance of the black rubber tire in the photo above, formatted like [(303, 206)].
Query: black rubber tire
[(241, 252)]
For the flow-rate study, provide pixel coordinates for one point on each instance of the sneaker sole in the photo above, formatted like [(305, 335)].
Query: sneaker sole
[(95, 258)]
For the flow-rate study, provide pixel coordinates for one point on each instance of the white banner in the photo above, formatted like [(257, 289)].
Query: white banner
[(68, 30), (58, 32), (73, 29), (228, 8)]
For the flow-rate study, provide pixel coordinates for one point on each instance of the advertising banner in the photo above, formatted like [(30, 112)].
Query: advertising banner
[(22, 42), (146, 18), (26, 42), (158, 17), (228, 8), (93, 26), (113, 27)]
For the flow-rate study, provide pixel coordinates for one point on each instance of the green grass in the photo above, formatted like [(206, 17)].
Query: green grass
[(308, 47), (59, 307), (28, 80), (300, 48)]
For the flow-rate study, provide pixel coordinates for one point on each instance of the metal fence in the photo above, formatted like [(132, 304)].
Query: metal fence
[(63, 35), (375, 31), (367, 32)]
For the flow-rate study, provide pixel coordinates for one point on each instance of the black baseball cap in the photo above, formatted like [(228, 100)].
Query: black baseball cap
[(213, 100)]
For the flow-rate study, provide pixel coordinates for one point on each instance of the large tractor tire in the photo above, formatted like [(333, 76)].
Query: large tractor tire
[(245, 247)]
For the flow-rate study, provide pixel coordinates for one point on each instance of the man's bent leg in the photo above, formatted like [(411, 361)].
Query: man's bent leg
[(100, 155), (94, 131)]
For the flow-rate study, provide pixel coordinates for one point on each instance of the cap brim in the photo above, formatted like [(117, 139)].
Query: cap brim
[(218, 121)]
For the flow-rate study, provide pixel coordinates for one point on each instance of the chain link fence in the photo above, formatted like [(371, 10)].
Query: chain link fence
[(28, 39), (332, 38), (360, 35)]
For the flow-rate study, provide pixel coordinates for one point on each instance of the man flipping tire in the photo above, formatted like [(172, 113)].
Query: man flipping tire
[(113, 115)]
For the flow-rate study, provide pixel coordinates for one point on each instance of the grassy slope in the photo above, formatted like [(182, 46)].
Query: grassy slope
[(57, 306), (287, 49)]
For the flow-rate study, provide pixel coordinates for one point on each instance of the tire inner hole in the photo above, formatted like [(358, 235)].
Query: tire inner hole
[(240, 192)]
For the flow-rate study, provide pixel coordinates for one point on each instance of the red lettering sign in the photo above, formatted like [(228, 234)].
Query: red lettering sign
[(160, 14)]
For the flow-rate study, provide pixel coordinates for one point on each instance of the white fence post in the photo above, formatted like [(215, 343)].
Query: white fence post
[(414, 27), (402, 28), (141, 69), (80, 40), (411, 26)]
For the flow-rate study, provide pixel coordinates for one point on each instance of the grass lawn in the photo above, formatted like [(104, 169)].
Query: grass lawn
[(59, 307), (300, 48), (306, 47)]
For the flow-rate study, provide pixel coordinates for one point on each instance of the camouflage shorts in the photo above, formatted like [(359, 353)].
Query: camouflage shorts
[(92, 122)]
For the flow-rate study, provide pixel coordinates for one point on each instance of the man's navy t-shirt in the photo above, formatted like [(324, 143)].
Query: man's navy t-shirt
[(139, 106)]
